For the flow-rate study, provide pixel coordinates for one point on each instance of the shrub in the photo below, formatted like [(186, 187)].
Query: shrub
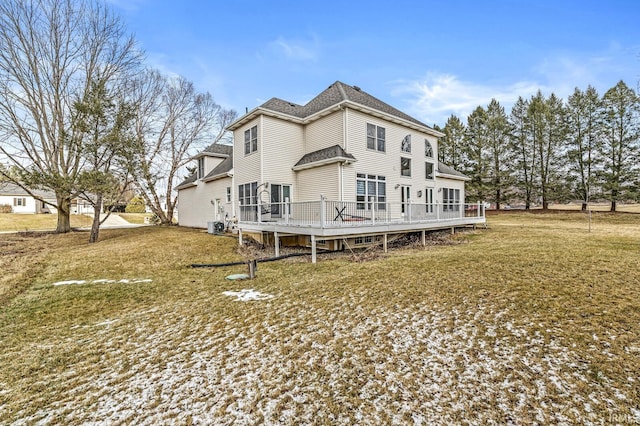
[(136, 205), (5, 208)]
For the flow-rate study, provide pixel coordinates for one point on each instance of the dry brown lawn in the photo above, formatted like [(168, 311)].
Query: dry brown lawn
[(534, 320)]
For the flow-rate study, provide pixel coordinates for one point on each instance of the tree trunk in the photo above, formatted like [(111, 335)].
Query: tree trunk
[(498, 198), (95, 225), (64, 210), (584, 206), (613, 205)]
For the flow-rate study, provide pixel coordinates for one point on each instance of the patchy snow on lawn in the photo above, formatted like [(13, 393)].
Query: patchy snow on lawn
[(104, 281), (246, 295), (341, 363)]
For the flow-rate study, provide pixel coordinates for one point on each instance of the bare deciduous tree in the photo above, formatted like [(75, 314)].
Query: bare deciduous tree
[(50, 52), (173, 122)]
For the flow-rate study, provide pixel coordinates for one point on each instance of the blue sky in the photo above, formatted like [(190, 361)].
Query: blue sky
[(427, 58)]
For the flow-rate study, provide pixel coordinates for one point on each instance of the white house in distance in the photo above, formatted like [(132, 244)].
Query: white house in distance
[(21, 201), (346, 169), (207, 195)]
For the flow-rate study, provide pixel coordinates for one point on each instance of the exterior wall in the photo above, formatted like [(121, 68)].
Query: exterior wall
[(31, 204), (319, 180), (387, 163), (247, 168), (325, 132), (282, 148), (448, 183), (194, 203)]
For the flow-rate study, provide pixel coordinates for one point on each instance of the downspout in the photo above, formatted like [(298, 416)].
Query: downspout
[(261, 141)]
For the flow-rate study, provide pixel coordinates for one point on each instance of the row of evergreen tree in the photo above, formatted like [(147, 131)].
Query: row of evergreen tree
[(548, 150)]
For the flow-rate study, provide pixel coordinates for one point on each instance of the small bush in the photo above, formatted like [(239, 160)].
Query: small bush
[(136, 205), (5, 208)]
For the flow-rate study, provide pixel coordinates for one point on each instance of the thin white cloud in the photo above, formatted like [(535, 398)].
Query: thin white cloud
[(296, 50), (436, 96)]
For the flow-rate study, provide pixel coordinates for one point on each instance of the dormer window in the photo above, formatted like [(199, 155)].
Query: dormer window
[(428, 149), (406, 144), (200, 167)]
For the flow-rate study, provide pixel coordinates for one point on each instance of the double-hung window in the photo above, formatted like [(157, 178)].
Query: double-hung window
[(376, 137), (371, 189), (20, 202), (251, 140)]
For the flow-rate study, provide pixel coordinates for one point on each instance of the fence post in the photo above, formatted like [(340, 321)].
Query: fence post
[(322, 212)]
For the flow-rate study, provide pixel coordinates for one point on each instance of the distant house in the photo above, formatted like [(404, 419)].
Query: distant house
[(207, 195), (343, 169), (21, 201)]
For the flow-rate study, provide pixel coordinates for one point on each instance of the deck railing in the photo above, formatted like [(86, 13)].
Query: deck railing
[(333, 214)]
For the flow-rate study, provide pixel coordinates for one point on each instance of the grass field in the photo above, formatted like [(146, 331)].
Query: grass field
[(43, 222), (534, 320)]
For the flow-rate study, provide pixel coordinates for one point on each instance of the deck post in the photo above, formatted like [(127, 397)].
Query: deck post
[(424, 238), (384, 242), (276, 239), (286, 210), (313, 249), (322, 214), (240, 237), (437, 211)]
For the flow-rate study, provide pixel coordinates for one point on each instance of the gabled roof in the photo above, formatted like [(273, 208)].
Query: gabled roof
[(215, 150), (449, 171), (8, 188), (335, 95), (322, 157), (221, 170)]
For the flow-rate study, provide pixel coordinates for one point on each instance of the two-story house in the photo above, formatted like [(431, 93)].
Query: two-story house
[(207, 195), (346, 168)]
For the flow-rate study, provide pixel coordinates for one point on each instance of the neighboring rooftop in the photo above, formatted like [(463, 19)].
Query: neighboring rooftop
[(7, 188), (216, 149)]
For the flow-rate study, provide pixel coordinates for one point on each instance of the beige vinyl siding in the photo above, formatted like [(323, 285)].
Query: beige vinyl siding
[(449, 183), (325, 132), (283, 148), (194, 203), (247, 167), (387, 163), (319, 180)]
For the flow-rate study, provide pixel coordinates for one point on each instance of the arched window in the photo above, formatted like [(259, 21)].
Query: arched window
[(428, 149)]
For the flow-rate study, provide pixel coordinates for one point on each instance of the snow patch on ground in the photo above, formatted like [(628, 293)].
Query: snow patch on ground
[(341, 363), (104, 281), (246, 295)]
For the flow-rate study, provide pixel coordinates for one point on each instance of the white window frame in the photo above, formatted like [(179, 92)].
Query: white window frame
[(428, 149), (405, 166), (371, 186), (200, 167), (376, 138), (427, 175), (228, 194), (251, 140), (405, 146)]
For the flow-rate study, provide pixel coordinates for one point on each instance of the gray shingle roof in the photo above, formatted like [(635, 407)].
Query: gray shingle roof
[(336, 93), (448, 170), (217, 148), (8, 188), (188, 180), (221, 169), (333, 152)]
